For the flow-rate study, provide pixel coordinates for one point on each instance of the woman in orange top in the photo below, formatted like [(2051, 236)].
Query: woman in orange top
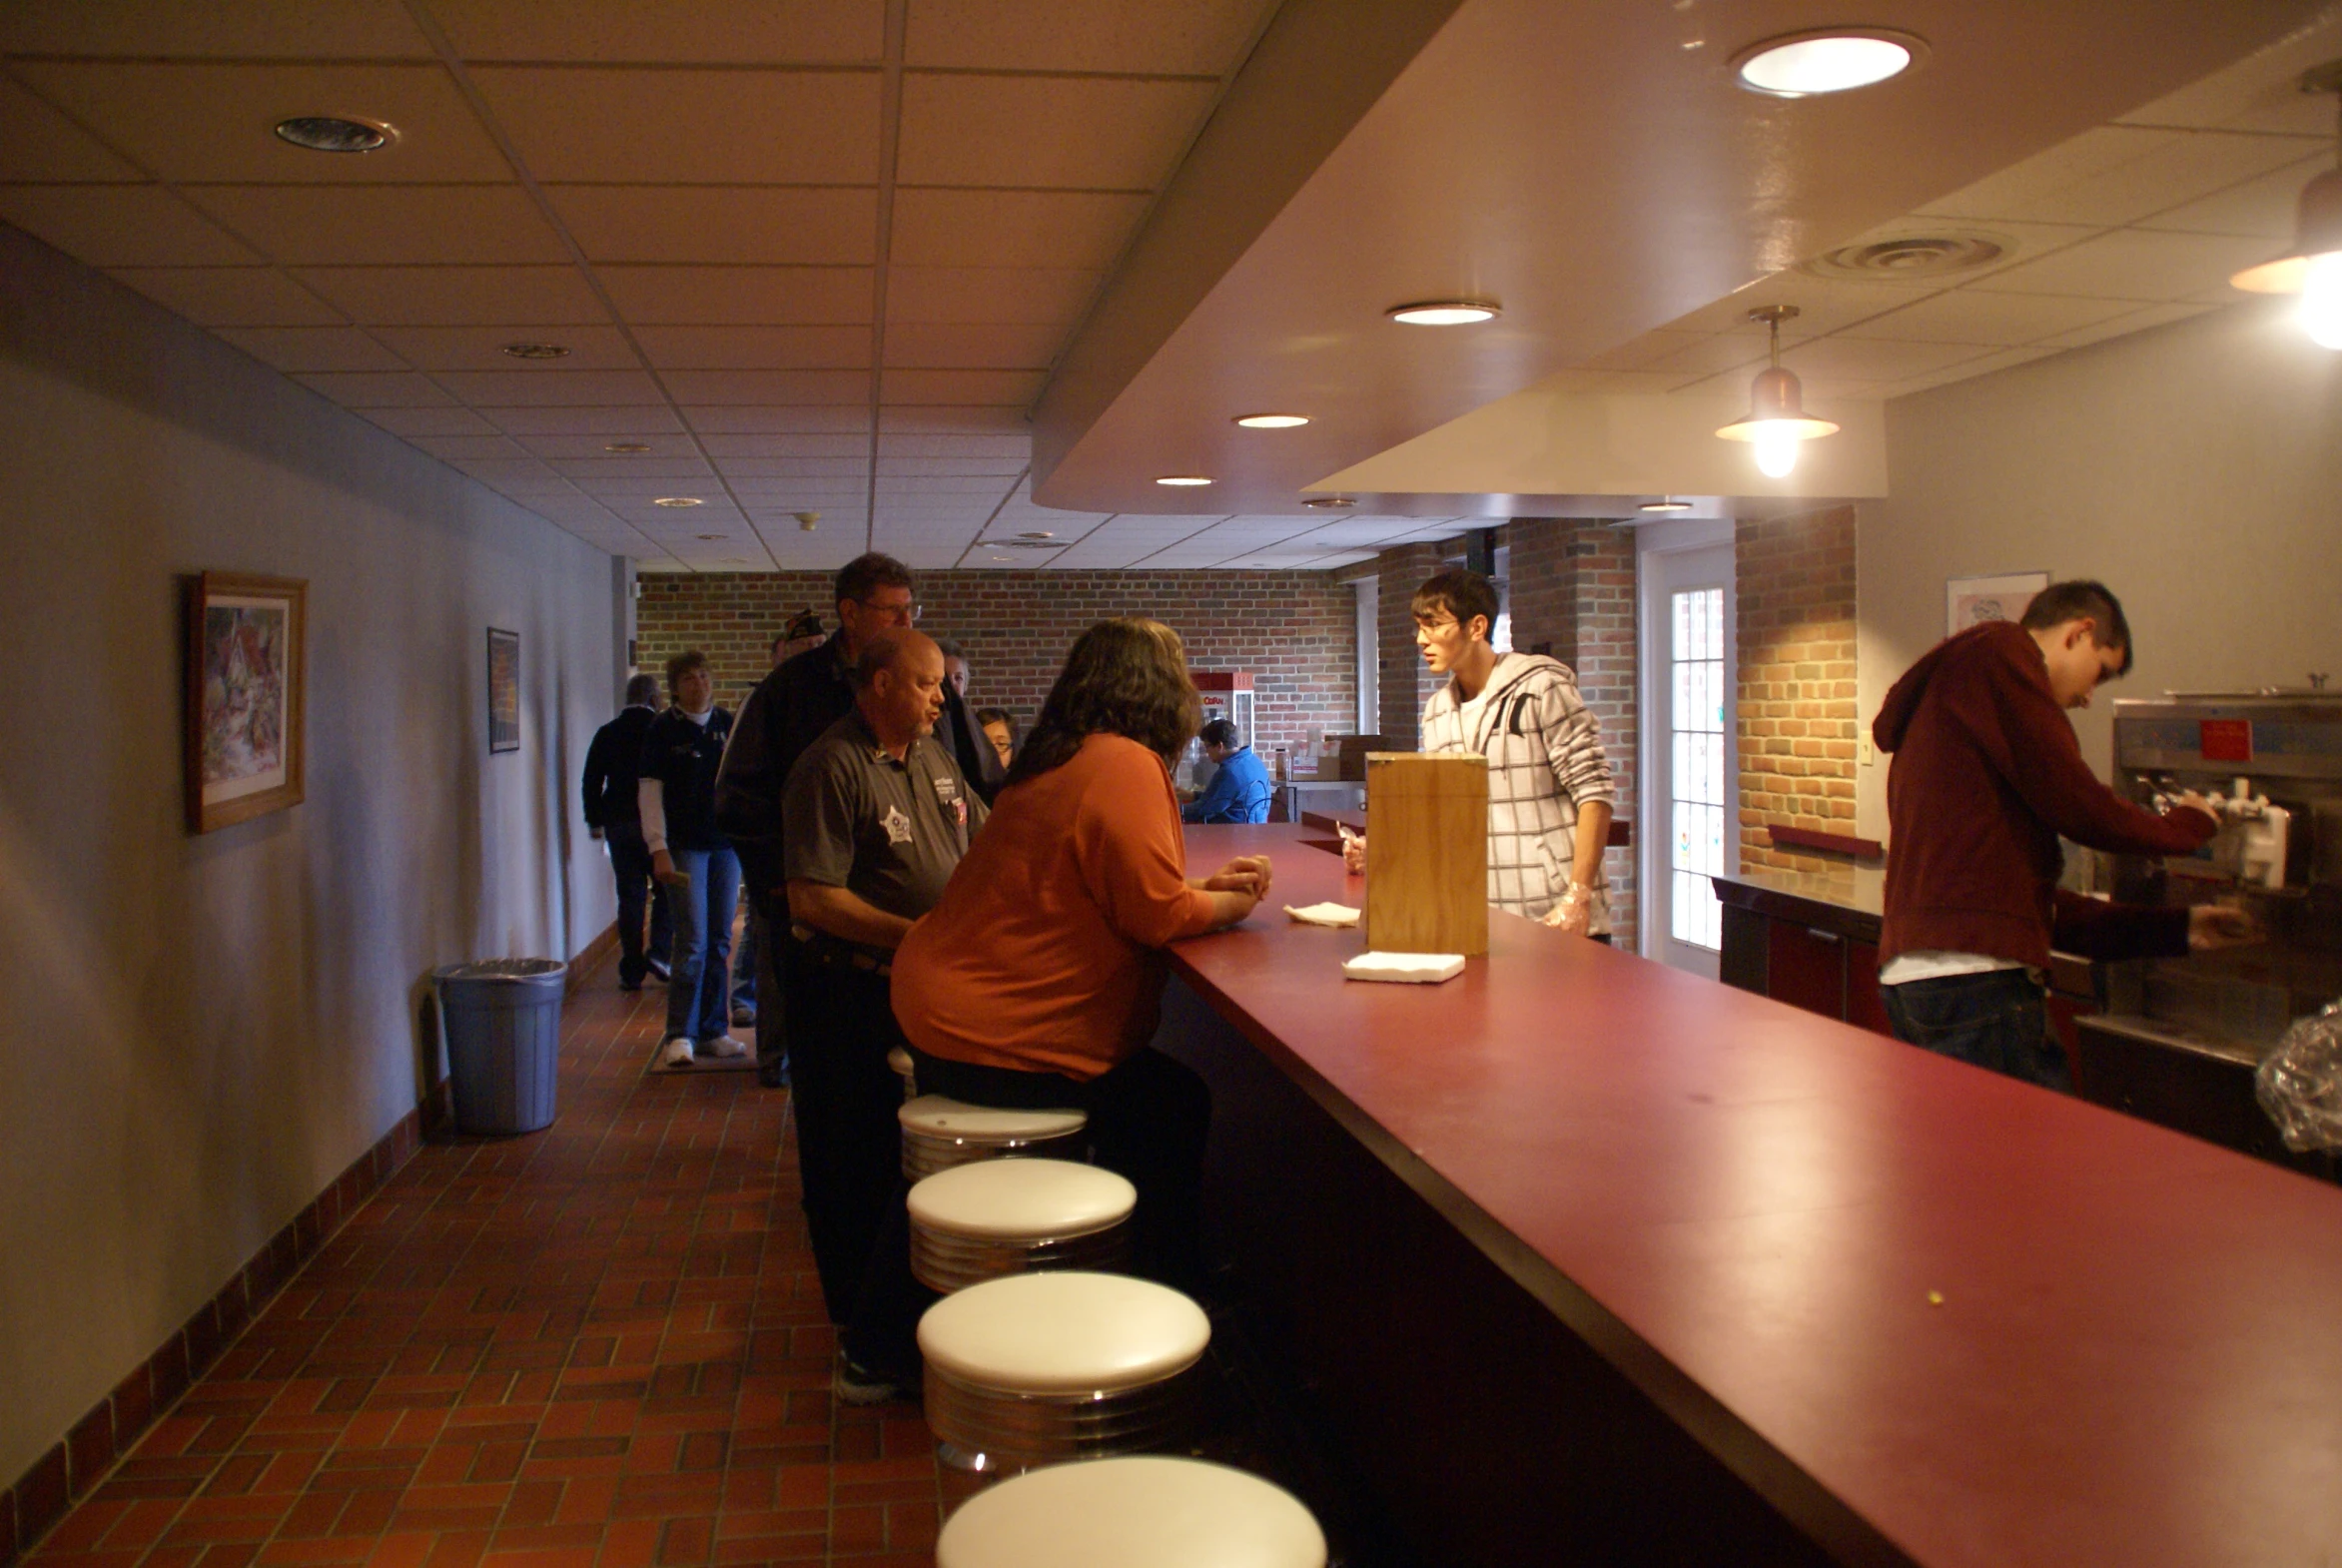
[(1036, 981)]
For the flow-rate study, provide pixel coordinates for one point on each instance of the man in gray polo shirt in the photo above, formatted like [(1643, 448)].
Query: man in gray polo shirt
[(876, 818)]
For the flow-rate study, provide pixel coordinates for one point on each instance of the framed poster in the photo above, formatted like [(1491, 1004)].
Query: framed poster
[(246, 639), (503, 691), (1970, 601)]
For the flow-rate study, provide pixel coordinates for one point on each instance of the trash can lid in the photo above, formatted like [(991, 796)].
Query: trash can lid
[(502, 969)]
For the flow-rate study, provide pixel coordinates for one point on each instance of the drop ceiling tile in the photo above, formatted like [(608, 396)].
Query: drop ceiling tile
[(1824, 305), (482, 348), (756, 347), (1714, 354), (1193, 38), (1971, 315), (777, 419), (661, 445), (608, 422), (709, 32), (515, 476), (2263, 208), (379, 390), (722, 224), (991, 468), (410, 423), (2170, 175), (893, 445), (965, 346), (726, 448), (1064, 228), (760, 295), (1049, 296), (708, 127), (939, 487), (1019, 388), (121, 225), (229, 295), (633, 486), (2121, 325), (1072, 133), (456, 296), (2259, 92), (469, 448), (2005, 359), (343, 28), (370, 224), (305, 350), (552, 388), (38, 142), (852, 465), (2019, 191), (583, 470), (1004, 419), (769, 387), (202, 122), (2132, 263)]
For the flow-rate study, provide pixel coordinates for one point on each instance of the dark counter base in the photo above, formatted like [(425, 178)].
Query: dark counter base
[(1485, 1429)]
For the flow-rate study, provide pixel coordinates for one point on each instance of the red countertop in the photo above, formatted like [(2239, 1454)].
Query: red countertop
[(2137, 1354)]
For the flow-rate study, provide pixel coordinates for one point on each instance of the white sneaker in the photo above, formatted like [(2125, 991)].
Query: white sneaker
[(675, 1051), (724, 1048)]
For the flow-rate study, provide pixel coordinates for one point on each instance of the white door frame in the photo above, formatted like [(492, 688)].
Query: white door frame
[(1653, 543)]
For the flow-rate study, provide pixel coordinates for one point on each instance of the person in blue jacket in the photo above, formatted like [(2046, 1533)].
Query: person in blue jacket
[(1240, 791)]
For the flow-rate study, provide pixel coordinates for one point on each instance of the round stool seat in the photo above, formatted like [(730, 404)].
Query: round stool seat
[(1008, 1217), (1034, 1368), (1142, 1512), (939, 1134)]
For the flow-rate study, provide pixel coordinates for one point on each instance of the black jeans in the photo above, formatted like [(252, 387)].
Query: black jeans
[(849, 1145), (772, 1009), (1997, 1020), (630, 860)]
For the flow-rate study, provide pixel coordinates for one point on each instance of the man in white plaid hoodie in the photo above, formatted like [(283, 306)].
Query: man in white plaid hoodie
[(1550, 793)]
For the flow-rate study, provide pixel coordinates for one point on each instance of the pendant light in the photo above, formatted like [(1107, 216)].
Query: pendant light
[(2313, 268), (1777, 419)]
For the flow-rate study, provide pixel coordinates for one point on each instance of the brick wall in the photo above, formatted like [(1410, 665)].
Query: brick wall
[(1294, 631), (1795, 581), (1405, 683)]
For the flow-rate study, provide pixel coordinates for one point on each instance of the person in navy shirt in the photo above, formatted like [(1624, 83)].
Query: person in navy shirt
[(1240, 791)]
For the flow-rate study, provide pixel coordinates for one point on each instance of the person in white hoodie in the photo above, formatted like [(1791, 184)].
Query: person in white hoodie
[(1550, 792)]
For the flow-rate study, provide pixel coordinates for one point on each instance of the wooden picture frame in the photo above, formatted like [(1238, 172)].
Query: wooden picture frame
[(1970, 601), (246, 683), (503, 691)]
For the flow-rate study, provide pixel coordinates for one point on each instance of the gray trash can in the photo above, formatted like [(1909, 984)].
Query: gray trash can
[(503, 1024)]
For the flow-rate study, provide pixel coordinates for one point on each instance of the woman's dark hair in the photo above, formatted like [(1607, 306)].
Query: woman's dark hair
[(986, 716), (1125, 677), (683, 664)]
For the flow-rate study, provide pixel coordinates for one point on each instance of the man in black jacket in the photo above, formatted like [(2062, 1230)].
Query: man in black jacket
[(614, 814)]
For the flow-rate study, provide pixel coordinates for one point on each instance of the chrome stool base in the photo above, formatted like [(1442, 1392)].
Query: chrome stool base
[(944, 1263), (990, 1431)]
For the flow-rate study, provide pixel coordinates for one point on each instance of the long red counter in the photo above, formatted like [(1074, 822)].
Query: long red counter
[(1926, 1314)]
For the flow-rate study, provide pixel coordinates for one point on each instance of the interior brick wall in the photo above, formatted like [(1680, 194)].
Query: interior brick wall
[(1404, 683), (1295, 632), (1794, 583)]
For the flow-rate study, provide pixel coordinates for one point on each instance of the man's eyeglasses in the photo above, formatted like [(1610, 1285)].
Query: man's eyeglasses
[(900, 614)]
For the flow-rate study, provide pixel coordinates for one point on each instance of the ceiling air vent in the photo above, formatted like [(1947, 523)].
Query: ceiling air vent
[(1913, 257)]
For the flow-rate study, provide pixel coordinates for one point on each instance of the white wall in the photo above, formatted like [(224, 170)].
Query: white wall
[(200, 1033), (2196, 469)]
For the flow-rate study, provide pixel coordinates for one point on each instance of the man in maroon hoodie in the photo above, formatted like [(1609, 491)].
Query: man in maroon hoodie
[(1986, 776)]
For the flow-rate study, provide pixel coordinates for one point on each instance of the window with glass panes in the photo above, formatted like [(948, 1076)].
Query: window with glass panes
[(1697, 780)]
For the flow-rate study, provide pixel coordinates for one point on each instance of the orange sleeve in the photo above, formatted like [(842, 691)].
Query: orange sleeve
[(1132, 856)]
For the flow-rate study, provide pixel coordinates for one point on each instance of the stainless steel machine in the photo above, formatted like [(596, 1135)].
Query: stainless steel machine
[(2181, 1037)]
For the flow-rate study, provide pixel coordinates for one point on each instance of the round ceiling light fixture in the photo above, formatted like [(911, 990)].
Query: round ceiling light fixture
[(1330, 502), (1185, 480), (626, 447), (677, 500), (1445, 312), (535, 351), (1827, 60), (1271, 422), (806, 521), (1665, 504), (319, 133)]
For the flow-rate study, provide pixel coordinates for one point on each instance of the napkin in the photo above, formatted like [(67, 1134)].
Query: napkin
[(1324, 915), (1413, 967)]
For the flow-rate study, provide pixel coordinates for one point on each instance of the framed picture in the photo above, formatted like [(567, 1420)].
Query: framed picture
[(1970, 601), (503, 691), (246, 641)]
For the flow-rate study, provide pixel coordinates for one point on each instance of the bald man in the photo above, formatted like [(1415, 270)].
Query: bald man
[(876, 818)]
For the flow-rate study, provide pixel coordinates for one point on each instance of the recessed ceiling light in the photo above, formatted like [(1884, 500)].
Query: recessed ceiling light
[(536, 351), (627, 446), (1271, 422), (709, 538), (1666, 505), (1037, 533), (330, 134), (1825, 60), (1445, 312), (677, 500), (1331, 503), (1183, 481)]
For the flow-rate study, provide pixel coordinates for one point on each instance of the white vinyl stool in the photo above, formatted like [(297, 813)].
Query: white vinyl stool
[(979, 1221), (939, 1134), (1035, 1369), (1133, 1513), (900, 1061)]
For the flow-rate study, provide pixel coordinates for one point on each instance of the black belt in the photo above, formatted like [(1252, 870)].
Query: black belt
[(823, 949)]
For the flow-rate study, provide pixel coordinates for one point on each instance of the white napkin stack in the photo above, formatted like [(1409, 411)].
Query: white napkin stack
[(1324, 915), (1419, 968)]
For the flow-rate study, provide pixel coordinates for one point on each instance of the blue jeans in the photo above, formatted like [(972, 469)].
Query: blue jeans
[(744, 968), (697, 1007), (1995, 1020)]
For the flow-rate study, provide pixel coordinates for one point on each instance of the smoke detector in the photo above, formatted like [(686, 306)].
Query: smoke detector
[(1914, 255)]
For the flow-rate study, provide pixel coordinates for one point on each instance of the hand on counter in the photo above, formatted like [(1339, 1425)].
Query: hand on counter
[(1354, 852), (1574, 911), (2213, 926), (1237, 887)]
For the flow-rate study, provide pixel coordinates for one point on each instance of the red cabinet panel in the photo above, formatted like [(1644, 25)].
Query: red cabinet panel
[(1806, 967), (1864, 1008)]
